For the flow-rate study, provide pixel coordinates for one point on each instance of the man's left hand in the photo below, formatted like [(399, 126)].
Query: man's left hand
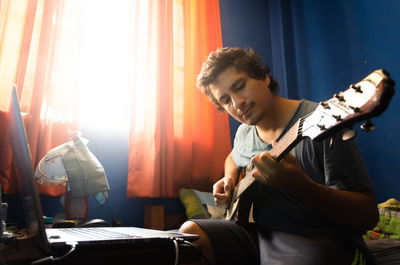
[(286, 175)]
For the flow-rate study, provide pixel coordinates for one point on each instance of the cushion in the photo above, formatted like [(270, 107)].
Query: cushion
[(193, 206), (200, 204)]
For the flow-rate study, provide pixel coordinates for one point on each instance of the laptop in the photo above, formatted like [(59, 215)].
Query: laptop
[(53, 239)]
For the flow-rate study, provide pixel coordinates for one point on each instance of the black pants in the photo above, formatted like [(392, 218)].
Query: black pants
[(235, 244)]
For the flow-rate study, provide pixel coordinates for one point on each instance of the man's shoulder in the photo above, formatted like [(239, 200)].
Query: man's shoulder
[(307, 106), (245, 134)]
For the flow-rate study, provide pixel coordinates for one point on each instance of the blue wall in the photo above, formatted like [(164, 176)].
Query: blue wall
[(338, 43), (315, 48)]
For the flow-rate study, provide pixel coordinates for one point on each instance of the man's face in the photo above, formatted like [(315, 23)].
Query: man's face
[(244, 98)]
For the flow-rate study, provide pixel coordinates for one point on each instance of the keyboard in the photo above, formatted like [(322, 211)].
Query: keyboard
[(95, 233)]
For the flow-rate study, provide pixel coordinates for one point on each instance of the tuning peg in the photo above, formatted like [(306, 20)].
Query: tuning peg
[(367, 126), (337, 117), (355, 109), (356, 88), (340, 97), (325, 105), (349, 134)]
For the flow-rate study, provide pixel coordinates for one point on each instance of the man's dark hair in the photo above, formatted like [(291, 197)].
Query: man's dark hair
[(243, 59)]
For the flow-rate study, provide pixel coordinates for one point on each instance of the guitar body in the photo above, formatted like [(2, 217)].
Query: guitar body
[(239, 209), (368, 98)]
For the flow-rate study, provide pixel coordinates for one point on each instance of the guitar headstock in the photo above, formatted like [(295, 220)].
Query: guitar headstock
[(362, 101)]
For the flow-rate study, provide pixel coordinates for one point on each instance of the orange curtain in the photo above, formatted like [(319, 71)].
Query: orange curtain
[(28, 30), (177, 138)]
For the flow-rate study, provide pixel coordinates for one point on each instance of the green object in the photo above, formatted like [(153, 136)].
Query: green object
[(48, 220), (193, 205), (389, 225)]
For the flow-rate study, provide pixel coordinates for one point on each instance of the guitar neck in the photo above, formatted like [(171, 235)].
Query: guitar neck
[(288, 141), (279, 149)]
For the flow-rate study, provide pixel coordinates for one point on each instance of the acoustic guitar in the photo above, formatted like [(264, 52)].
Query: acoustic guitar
[(360, 102)]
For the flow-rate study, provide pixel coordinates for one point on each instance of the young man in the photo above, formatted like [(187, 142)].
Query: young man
[(312, 206)]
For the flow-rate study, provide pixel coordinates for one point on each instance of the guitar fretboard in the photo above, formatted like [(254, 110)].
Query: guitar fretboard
[(289, 140), (279, 149)]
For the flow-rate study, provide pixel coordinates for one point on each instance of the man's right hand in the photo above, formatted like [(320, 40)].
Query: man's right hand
[(222, 189)]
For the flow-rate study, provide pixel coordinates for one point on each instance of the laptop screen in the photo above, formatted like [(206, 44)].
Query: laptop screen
[(23, 164)]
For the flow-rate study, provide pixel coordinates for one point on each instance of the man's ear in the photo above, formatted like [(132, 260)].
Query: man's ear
[(267, 81)]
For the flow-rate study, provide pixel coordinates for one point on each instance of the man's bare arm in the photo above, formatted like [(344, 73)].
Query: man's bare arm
[(223, 187)]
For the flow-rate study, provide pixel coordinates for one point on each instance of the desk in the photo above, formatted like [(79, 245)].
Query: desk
[(24, 251)]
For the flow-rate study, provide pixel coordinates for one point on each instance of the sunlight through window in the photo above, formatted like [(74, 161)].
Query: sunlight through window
[(102, 53), (94, 74), (178, 67), (93, 63)]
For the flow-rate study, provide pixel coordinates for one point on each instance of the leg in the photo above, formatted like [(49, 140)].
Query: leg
[(203, 242), (283, 248), (224, 242)]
